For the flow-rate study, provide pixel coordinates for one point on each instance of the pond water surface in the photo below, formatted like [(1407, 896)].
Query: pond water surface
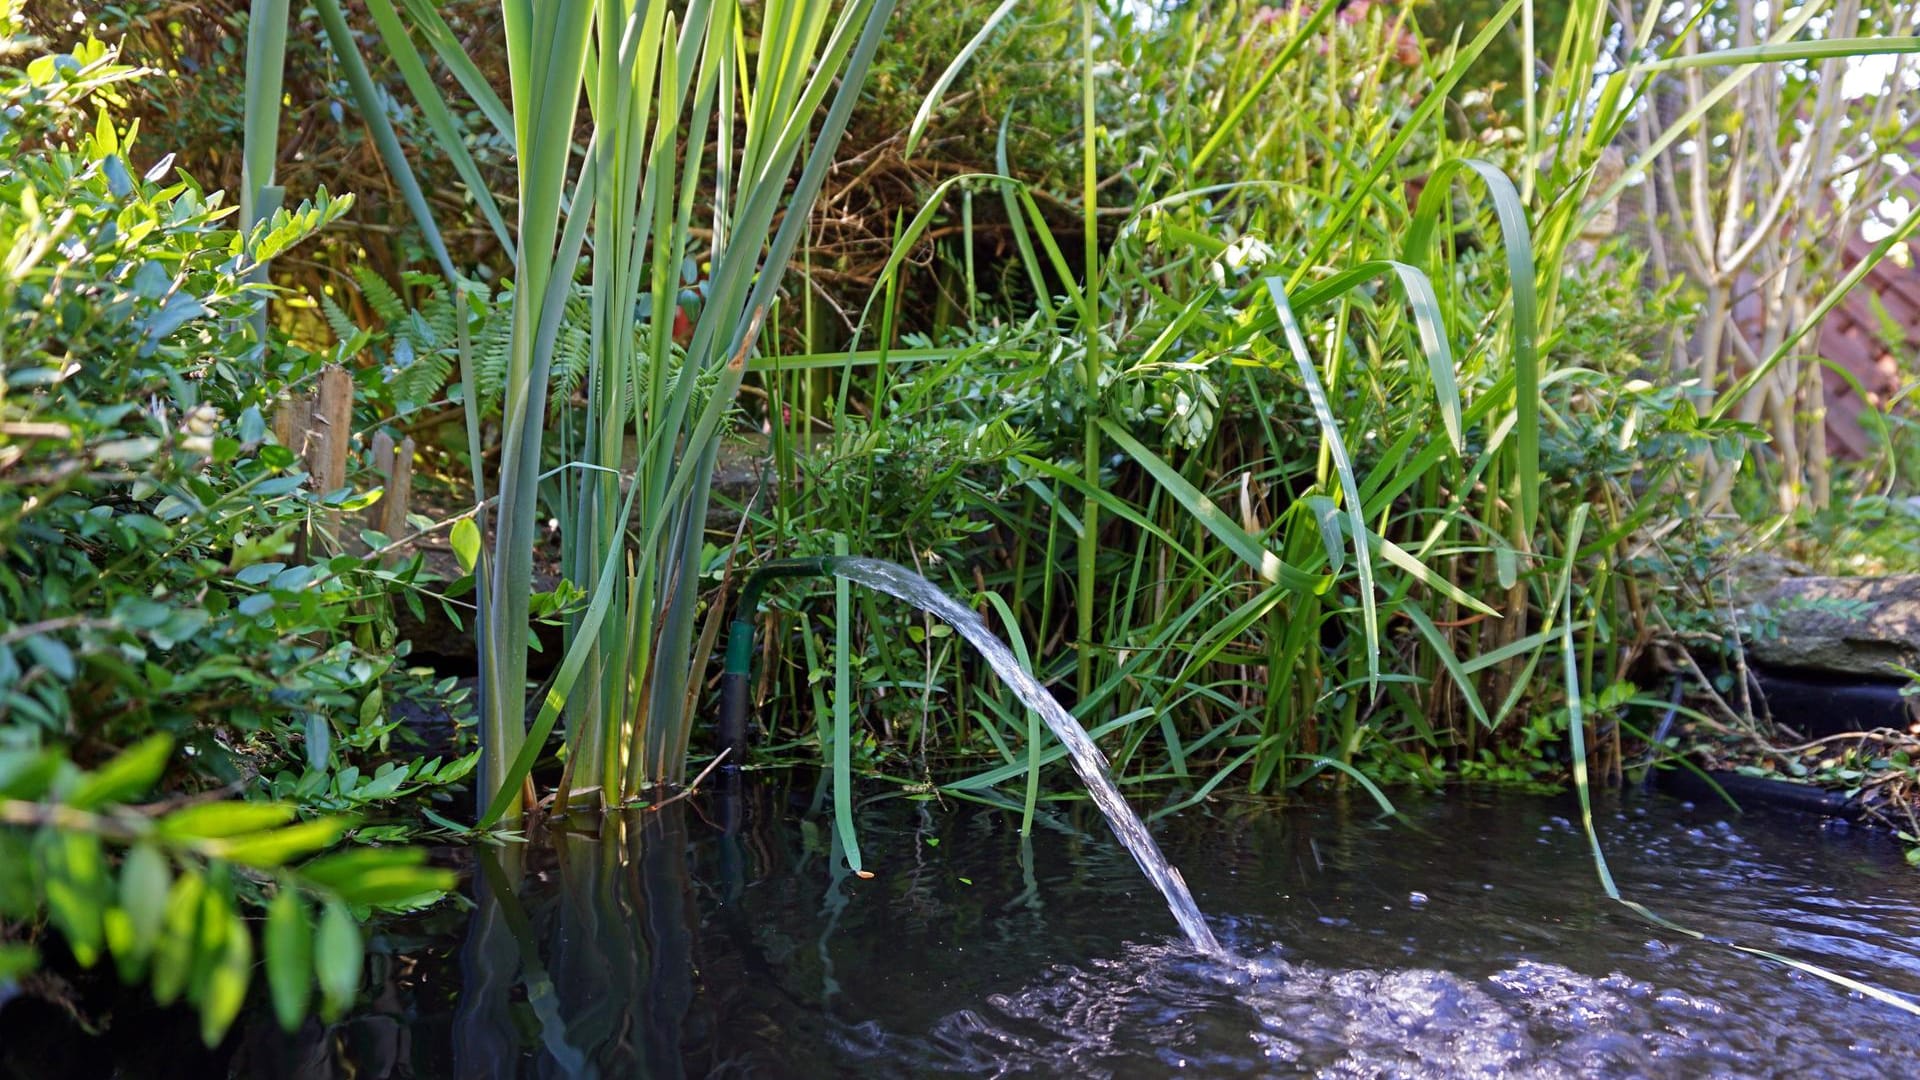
[(1470, 941), (725, 937)]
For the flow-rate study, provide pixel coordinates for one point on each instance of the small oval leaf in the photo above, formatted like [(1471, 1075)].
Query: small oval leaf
[(466, 544)]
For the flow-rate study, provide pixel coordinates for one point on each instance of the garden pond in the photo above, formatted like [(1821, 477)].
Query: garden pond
[(724, 935)]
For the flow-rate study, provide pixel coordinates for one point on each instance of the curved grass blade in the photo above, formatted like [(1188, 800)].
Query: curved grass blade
[(1343, 465), (1427, 318), (843, 694), (446, 45), (1516, 238), (1266, 564), (1780, 52), (1364, 188), (1118, 507), (1897, 235), (1035, 726), (439, 118), (1576, 729), (1404, 559), (1387, 809), (1309, 31), (960, 60)]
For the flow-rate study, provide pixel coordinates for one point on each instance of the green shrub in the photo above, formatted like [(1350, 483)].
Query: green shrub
[(147, 520), (149, 594)]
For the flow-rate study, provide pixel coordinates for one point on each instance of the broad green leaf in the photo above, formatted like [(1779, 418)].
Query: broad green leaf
[(371, 706), (27, 774), (336, 960), (289, 947), (341, 869), (466, 544), (173, 957), (52, 654), (124, 451), (381, 786), (210, 932), (270, 849), (128, 776), (117, 929), (1506, 566), (227, 983), (1327, 515), (215, 820), (397, 886), (73, 875), (146, 881), (320, 740)]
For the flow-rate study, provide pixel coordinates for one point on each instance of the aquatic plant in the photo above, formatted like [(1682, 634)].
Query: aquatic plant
[(657, 85), (1324, 516)]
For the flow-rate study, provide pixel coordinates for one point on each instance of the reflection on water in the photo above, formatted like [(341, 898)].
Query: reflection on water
[(586, 943), (724, 937)]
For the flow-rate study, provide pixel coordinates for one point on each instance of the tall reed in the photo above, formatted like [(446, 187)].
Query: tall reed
[(612, 107)]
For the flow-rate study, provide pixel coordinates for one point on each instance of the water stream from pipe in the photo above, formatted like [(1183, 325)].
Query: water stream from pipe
[(904, 584)]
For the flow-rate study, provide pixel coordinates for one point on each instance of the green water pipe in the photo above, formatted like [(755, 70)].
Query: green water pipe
[(734, 681)]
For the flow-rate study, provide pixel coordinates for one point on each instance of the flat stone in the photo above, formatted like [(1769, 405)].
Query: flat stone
[(1845, 625)]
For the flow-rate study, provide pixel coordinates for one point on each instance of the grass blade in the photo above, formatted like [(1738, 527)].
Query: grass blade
[(1516, 239), (1266, 564), (1343, 465), (960, 61)]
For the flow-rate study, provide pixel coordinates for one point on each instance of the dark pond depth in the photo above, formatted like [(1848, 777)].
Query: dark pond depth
[(1475, 943)]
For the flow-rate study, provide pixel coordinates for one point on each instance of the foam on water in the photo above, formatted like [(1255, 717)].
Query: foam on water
[(1265, 1016)]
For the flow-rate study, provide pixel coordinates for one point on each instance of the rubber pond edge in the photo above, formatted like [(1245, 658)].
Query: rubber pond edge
[(1822, 703), (1752, 791)]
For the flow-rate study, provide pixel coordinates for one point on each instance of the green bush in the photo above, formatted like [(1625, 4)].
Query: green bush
[(149, 597), (146, 518)]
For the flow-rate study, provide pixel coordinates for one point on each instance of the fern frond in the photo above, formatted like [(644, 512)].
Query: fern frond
[(379, 295), (343, 327)]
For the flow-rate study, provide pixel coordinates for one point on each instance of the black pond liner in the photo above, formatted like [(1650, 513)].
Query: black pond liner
[(1818, 704), (1814, 704), (1758, 791)]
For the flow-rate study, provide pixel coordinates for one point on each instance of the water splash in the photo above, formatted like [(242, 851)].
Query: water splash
[(904, 584)]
